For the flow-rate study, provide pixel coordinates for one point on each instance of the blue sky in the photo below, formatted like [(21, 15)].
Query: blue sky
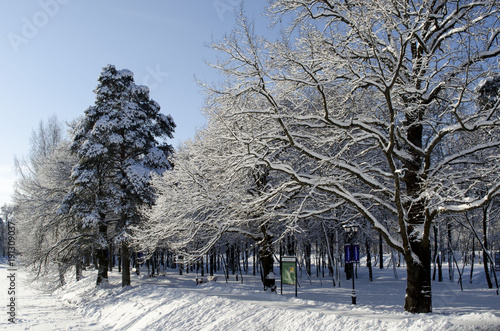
[(52, 52)]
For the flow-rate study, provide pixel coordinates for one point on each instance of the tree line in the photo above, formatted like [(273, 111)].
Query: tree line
[(384, 115)]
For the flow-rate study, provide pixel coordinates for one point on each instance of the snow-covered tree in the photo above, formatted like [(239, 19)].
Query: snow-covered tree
[(369, 96), (44, 140), (47, 240), (205, 197), (119, 144)]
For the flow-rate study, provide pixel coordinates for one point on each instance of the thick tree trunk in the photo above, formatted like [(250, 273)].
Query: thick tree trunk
[(267, 262), (61, 269), (418, 297), (102, 256), (418, 288), (78, 269), (268, 277), (125, 264)]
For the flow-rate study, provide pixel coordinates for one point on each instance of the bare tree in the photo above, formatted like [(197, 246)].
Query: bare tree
[(49, 240), (206, 196), (367, 96)]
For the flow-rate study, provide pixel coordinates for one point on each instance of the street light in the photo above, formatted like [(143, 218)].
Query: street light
[(351, 230)]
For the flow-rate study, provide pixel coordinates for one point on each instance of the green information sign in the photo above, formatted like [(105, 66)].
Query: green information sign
[(288, 272)]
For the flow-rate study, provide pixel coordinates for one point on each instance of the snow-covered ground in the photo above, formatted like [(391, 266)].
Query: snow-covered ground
[(175, 302)]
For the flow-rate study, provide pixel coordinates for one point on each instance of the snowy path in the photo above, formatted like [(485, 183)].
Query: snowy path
[(40, 311), (176, 303)]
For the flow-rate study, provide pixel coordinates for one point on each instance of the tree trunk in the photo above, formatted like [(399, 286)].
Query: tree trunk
[(290, 246), (418, 297), (245, 264), (307, 253), (254, 259), (61, 269), (472, 259), (485, 250), (111, 259), (451, 268), (267, 262), (318, 266), (87, 257), (102, 256), (434, 258), (368, 260), (212, 261), (201, 266), (95, 258), (125, 264), (381, 251), (78, 269), (418, 288), (120, 260)]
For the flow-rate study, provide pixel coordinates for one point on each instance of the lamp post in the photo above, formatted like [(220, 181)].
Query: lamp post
[(351, 231)]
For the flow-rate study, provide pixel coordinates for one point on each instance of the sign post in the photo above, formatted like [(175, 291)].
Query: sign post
[(179, 260), (288, 266), (352, 257), (497, 261)]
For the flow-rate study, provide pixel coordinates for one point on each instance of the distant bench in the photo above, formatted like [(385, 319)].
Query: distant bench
[(161, 274), (207, 279)]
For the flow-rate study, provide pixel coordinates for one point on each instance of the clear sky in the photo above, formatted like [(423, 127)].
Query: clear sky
[(52, 52)]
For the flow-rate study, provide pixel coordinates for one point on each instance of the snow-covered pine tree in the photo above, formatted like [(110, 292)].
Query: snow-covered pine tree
[(119, 143)]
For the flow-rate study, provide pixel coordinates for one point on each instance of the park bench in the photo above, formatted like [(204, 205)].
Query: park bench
[(201, 280)]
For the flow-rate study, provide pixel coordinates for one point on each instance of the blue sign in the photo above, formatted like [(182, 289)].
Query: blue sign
[(351, 253), (348, 255), (355, 253)]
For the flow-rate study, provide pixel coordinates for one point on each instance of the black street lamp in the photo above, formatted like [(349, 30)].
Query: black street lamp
[(351, 230)]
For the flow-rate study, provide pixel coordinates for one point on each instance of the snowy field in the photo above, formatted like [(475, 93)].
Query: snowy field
[(175, 302)]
